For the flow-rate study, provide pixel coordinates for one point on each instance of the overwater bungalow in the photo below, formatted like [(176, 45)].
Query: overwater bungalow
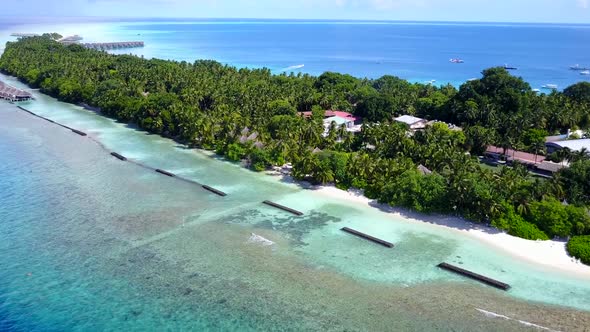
[(13, 94)]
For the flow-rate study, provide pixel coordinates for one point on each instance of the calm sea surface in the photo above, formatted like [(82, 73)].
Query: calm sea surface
[(90, 243), (416, 51)]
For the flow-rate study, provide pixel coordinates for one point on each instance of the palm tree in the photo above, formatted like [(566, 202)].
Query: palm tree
[(323, 173), (307, 163), (360, 166), (280, 149), (330, 140), (341, 132), (311, 133), (347, 141), (538, 146), (564, 155), (556, 187), (582, 154)]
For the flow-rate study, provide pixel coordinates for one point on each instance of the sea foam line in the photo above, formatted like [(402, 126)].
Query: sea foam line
[(492, 314), (529, 324)]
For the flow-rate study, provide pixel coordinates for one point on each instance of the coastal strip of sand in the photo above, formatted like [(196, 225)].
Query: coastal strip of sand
[(551, 254)]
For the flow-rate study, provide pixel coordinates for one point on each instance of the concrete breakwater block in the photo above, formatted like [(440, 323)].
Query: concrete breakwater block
[(474, 276), (284, 208), (213, 190), (118, 156), (367, 237), (81, 133), (161, 171)]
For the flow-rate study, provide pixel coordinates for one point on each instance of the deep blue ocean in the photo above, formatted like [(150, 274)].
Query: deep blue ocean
[(417, 51)]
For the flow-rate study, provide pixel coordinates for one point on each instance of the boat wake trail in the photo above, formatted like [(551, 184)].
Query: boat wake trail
[(529, 324), (293, 67), (535, 325), (492, 314)]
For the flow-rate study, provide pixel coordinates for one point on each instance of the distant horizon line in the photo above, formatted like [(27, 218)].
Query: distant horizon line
[(352, 20)]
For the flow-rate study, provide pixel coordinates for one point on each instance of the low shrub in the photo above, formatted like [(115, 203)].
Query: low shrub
[(526, 230), (579, 247), (517, 226)]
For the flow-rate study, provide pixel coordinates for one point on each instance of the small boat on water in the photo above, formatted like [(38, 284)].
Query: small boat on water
[(507, 67), (456, 60), (578, 67), (585, 72), (550, 86)]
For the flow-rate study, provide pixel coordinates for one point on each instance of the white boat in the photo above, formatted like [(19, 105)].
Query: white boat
[(550, 86), (578, 67), (585, 72)]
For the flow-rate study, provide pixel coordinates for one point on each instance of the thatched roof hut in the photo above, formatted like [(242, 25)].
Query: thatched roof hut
[(13, 94), (425, 171)]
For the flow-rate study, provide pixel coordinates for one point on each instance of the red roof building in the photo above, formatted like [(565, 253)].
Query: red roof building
[(331, 113)]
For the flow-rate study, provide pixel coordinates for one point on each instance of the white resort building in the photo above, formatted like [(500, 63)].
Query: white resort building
[(573, 145), (413, 122), (351, 122)]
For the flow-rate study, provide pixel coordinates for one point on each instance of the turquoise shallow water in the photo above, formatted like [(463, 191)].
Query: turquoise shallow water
[(91, 243)]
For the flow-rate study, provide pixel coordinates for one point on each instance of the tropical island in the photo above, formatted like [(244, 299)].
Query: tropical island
[(269, 120)]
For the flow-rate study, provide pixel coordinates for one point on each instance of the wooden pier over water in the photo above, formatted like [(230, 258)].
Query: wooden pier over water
[(113, 46), (76, 40)]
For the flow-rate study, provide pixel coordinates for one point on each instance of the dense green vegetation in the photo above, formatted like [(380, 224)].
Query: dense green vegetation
[(579, 247), (252, 115)]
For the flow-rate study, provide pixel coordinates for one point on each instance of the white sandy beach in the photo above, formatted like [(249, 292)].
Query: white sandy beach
[(551, 254)]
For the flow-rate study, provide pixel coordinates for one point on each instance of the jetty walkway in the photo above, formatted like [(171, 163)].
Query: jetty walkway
[(23, 35), (113, 46)]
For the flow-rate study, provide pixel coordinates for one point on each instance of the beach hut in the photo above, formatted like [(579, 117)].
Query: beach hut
[(425, 171)]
